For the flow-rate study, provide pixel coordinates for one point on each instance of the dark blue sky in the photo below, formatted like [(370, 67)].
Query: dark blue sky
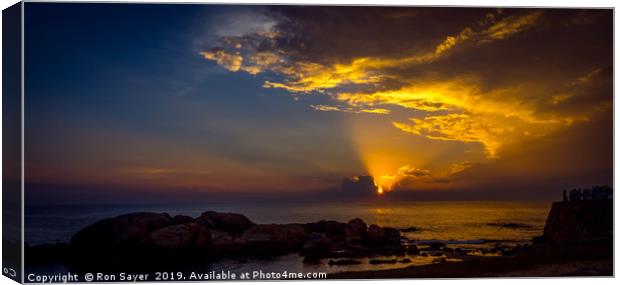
[(118, 94)]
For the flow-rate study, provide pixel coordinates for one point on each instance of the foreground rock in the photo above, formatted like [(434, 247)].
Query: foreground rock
[(227, 222), (331, 239), (273, 239), (355, 230), (331, 229), (123, 230), (151, 240), (180, 238), (119, 241), (181, 219), (226, 245)]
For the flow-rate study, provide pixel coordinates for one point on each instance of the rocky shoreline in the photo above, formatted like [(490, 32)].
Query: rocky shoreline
[(146, 241), (158, 241)]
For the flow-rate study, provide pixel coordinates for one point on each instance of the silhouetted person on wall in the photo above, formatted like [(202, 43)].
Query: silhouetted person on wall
[(587, 194), (573, 195), (595, 193), (602, 192)]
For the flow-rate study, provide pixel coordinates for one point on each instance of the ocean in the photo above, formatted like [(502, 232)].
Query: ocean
[(459, 224)]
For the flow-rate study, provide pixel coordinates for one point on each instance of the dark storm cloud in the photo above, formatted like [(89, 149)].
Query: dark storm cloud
[(340, 34)]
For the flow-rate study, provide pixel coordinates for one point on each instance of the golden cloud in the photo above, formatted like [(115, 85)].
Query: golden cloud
[(308, 76), (230, 61), (327, 108), (305, 76), (511, 25), (460, 94), (459, 127), (408, 176), (493, 117), (413, 171), (234, 61)]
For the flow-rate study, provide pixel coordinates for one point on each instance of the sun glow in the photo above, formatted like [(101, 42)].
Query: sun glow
[(380, 188), (382, 160)]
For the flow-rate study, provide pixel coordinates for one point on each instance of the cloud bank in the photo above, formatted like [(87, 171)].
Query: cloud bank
[(493, 77)]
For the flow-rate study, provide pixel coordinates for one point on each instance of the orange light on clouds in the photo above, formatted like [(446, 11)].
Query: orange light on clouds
[(383, 151), (411, 126)]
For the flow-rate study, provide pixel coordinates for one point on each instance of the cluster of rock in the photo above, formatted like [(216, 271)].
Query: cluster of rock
[(150, 239), (349, 240)]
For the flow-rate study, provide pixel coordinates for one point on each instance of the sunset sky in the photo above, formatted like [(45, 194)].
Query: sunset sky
[(186, 99)]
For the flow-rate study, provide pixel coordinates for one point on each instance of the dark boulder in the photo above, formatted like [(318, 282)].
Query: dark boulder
[(125, 229), (116, 242), (274, 239), (376, 234), (413, 250), (331, 229), (228, 222), (392, 236), (226, 245), (383, 236), (334, 229), (192, 237), (355, 230), (315, 227), (316, 247), (181, 219), (391, 232)]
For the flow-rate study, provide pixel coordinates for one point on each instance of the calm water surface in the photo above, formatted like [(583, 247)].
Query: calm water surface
[(448, 221)]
